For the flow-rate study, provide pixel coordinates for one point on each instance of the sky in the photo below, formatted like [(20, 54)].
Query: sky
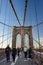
[(7, 16)]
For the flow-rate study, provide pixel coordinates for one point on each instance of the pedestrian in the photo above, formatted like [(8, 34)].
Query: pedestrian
[(18, 51), (14, 53), (7, 52), (30, 52), (25, 52)]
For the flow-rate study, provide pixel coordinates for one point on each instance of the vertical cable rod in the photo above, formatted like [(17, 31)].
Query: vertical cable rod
[(26, 2), (30, 14), (37, 27), (0, 6), (4, 22)]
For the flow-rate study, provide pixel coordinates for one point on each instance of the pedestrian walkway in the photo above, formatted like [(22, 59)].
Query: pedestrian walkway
[(22, 61), (18, 61)]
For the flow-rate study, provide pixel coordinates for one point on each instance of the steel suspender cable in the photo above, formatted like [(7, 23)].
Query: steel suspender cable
[(31, 19), (26, 2), (5, 39), (4, 35), (8, 27), (37, 27), (0, 6), (37, 42), (30, 15), (14, 11), (9, 39), (37, 23), (7, 36), (11, 25), (4, 22)]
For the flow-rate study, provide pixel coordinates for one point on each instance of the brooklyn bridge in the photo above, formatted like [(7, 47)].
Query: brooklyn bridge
[(21, 25)]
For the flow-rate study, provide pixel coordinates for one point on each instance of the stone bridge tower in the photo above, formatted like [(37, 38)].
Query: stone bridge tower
[(22, 31)]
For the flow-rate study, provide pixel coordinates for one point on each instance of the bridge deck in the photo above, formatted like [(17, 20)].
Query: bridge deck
[(18, 61)]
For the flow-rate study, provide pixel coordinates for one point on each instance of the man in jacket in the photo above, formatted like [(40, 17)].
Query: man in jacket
[(14, 53), (7, 52)]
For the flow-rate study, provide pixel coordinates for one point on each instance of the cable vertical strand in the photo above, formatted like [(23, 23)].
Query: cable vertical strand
[(30, 15), (26, 2), (4, 22), (0, 6), (37, 27)]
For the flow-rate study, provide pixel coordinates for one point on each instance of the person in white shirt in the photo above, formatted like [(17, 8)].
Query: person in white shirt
[(25, 52)]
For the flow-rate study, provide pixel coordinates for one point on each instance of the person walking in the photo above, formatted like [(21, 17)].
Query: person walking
[(30, 52), (14, 53), (7, 52), (25, 52), (18, 50)]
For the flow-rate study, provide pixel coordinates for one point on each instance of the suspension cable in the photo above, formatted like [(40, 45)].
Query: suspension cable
[(14, 11), (5, 34), (10, 38), (4, 22), (0, 6), (26, 2), (30, 14), (37, 24), (6, 39), (8, 27), (37, 42), (37, 27)]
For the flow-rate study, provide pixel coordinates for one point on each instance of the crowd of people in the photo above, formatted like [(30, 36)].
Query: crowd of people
[(14, 52)]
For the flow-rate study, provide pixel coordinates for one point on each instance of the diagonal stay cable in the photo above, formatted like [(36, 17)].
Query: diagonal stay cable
[(5, 34), (5, 39), (37, 24), (5, 24), (26, 2), (37, 42), (14, 11)]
